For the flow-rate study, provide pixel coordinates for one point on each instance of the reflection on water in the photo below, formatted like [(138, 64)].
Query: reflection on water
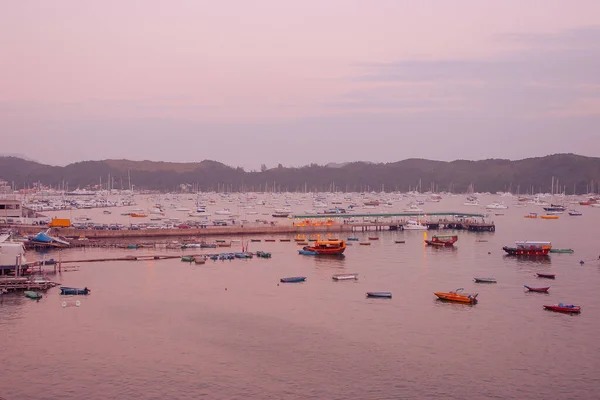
[(222, 330)]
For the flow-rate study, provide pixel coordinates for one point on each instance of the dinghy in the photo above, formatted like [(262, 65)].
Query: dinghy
[(33, 295), (485, 280), (381, 295), (547, 276), (344, 277), (537, 289), (293, 279)]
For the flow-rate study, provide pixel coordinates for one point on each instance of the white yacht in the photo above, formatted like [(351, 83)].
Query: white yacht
[(496, 206), (413, 225)]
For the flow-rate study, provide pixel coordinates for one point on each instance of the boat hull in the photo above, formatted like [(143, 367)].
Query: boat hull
[(73, 291), (563, 309), (514, 251), (380, 295), (293, 279), (457, 298), (344, 277), (537, 289)]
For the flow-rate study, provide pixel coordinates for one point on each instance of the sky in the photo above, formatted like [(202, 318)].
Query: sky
[(298, 82)]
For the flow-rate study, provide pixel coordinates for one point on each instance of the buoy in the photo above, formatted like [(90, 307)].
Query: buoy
[(64, 304), (581, 262), (489, 252), (77, 303)]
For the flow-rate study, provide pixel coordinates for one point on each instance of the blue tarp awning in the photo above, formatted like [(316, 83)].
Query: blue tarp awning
[(42, 237)]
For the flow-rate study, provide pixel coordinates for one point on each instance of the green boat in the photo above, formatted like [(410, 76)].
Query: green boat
[(33, 295), (562, 251), (187, 259)]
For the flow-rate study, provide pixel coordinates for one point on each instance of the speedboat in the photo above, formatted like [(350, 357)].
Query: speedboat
[(565, 308), (458, 296)]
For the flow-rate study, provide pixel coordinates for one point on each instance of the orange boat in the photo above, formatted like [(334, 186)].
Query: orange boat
[(549, 217), (327, 247), (531, 215), (138, 215), (458, 296)]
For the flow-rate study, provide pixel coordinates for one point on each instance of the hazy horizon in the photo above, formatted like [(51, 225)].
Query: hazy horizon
[(299, 83)]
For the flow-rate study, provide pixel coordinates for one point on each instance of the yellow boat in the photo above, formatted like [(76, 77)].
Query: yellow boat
[(549, 217), (458, 296)]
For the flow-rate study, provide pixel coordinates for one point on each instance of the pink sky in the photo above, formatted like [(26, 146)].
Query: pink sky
[(185, 80)]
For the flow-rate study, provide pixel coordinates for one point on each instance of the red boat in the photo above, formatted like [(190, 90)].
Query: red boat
[(373, 238), (549, 276), (566, 308), (327, 247), (442, 241), (529, 248), (537, 289)]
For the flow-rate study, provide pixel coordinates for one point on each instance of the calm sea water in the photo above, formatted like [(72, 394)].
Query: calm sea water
[(229, 330)]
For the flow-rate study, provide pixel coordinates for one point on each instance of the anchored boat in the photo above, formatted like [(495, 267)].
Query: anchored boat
[(381, 295), (293, 279), (458, 296), (537, 289), (529, 248), (344, 277), (65, 290), (327, 247), (485, 280), (442, 241), (565, 308), (33, 295)]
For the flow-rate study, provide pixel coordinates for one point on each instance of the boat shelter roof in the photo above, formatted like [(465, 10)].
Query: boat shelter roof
[(388, 215)]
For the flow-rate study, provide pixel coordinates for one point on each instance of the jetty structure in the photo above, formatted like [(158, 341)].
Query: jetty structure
[(300, 224)]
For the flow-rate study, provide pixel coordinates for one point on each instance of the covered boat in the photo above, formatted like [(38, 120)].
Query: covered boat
[(381, 295), (304, 252), (566, 308), (442, 241), (33, 295), (344, 277), (458, 296), (263, 254), (529, 248), (65, 290), (293, 279), (327, 247), (537, 289), (485, 280)]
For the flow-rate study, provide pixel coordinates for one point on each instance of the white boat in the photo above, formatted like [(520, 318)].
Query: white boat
[(183, 209), (413, 225), (496, 206), (471, 203), (413, 208), (199, 214), (223, 212), (344, 277)]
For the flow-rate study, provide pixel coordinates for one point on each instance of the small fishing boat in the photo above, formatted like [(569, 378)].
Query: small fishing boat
[(442, 241), (65, 290), (537, 289), (549, 217), (327, 247), (269, 240), (457, 296), (262, 254), (529, 248), (575, 213), (255, 240), (373, 238), (547, 276), (531, 215), (344, 277), (302, 243), (400, 241), (352, 239), (199, 260), (567, 251), (381, 295), (33, 295), (293, 279), (285, 240), (565, 308), (187, 258), (365, 243), (485, 280), (303, 252)]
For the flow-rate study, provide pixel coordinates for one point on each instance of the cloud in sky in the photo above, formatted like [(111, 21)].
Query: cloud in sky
[(269, 83)]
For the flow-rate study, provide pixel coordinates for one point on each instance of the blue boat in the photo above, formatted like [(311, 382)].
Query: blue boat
[(307, 252), (353, 239), (293, 279), (382, 295), (74, 291)]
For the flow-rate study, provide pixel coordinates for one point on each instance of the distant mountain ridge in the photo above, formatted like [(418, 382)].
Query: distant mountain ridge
[(531, 174)]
